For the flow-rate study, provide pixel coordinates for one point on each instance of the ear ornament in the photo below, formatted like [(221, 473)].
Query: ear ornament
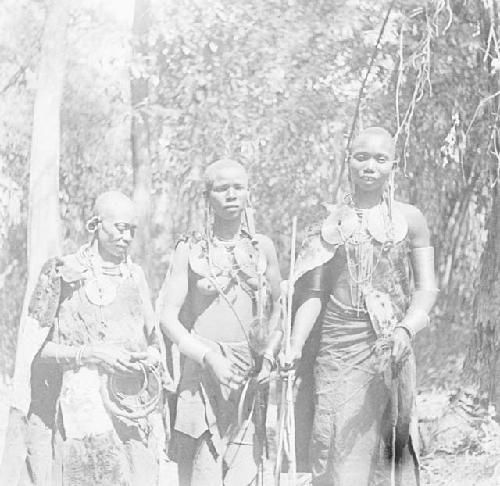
[(91, 224)]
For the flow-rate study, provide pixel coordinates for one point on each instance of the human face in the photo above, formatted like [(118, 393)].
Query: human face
[(228, 194), (116, 232), (371, 162)]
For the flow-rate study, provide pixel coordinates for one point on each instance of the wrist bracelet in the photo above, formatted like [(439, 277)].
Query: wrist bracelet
[(411, 335), (192, 348), (78, 358), (79, 355), (415, 320)]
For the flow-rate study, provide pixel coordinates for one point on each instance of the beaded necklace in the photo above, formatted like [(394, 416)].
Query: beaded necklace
[(221, 258), (100, 289), (362, 259)]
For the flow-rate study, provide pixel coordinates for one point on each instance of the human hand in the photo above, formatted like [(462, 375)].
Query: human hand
[(223, 370), (149, 358), (401, 345), (288, 361), (110, 357)]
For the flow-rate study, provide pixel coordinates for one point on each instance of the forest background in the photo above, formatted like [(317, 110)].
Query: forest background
[(153, 91)]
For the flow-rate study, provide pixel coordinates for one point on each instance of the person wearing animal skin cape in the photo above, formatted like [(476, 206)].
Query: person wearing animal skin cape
[(364, 287), (222, 310), (98, 335)]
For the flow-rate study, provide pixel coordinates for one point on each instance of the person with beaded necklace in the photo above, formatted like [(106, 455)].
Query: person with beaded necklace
[(222, 310), (93, 379), (357, 312)]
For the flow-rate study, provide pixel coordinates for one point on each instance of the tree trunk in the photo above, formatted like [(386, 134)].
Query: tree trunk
[(141, 158), (480, 368), (43, 216), (482, 365)]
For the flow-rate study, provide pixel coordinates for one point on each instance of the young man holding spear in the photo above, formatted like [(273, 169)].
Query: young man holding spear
[(353, 276), (221, 310)]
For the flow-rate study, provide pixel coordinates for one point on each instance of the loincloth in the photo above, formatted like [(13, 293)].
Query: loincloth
[(203, 404)]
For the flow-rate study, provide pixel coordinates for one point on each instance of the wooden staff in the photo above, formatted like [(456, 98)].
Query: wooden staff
[(394, 421), (259, 408), (286, 430)]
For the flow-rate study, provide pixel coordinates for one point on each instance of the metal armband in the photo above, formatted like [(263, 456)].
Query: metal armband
[(415, 320), (422, 260), (192, 348)]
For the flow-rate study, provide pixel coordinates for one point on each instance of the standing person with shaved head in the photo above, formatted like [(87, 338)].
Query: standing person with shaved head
[(222, 311), (95, 379), (354, 288)]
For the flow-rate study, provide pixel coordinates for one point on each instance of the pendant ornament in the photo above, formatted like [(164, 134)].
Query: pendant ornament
[(249, 259), (343, 222), (340, 224), (100, 291)]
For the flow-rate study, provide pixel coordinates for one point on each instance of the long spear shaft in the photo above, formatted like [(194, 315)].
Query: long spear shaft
[(288, 325), (358, 103), (292, 466), (286, 428)]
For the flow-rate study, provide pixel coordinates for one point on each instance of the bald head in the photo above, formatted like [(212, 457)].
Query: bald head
[(374, 140), (116, 223), (114, 205), (223, 167)]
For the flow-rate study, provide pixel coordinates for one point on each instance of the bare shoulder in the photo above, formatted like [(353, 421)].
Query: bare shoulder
[(265, 243), (273, 270), (181, 249), (180, 259), (417, 224), (411, 213)]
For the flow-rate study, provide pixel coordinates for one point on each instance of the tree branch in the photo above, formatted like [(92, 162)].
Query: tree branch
[(360, 98), (16, 76)]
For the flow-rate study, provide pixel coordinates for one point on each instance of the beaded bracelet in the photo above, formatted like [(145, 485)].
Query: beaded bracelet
[(410, 333), (79, 355), (192, 348)]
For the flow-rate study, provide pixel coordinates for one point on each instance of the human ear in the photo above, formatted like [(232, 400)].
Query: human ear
[(92, 224)]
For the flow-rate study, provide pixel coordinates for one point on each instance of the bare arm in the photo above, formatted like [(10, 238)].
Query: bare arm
[(273, 276), (305, 317), (425, 294), (422, 261), (314, 283), (107, 356), (60, 353), (176, 290)]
